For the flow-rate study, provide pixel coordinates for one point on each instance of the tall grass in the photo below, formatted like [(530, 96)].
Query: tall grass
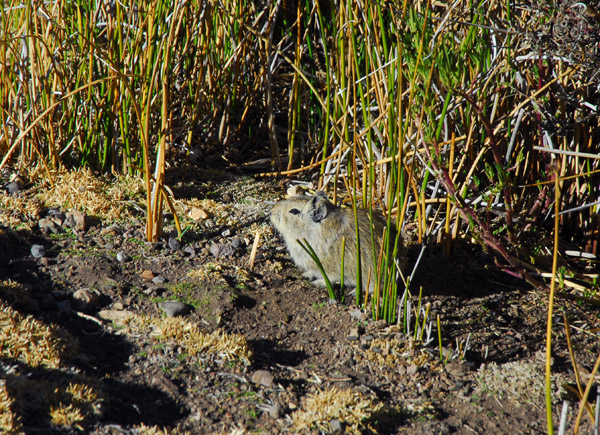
[(456, 117), (122, 87)]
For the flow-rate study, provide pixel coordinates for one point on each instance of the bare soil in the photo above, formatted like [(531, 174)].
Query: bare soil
[(295, 334)]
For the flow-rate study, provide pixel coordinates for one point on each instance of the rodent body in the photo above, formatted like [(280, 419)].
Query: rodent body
[(324, 226)]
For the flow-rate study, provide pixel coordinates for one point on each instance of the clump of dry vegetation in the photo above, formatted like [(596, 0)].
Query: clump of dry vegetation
[(195, 342), (111, 201), (519, 381), (350, 408), (26, 346)]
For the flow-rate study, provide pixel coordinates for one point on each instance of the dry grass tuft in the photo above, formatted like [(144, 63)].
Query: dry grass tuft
[(229, 347), (25, 339), (74, 190), (19, 212), (216, 273), (68, 403), (349, 407), (82, 190), (67, 399), (395, 351), (517, 381), (10, 423)]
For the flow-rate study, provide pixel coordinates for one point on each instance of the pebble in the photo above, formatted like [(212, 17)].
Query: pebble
[(222, 250), (189, 250), (122, 257), (353, 336), (412, 369), (55, 214), (85, 299), (236, 242), (47, 226), (13, 187), (147, 274), (198, 214), (263, 377), (158, 280), (112, 230), (174, 308), (174, 244), (336, 425), (274, 410), (38, 251), (357, 315), (117, 316), (77, 219), (226, 233), (457, 369), (155, 290)]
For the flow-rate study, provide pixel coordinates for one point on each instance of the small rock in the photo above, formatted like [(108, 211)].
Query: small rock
[(44, 261), (263, 377), (77, 219), (47, 226), (118, 306), (155, 290), (236, 242), (110, 230), (357, 315), (117, 316), (38, 251), (158, 280), (197, 214), (13, 187), (54, 212), (226, 233), (412, 369), (174, 244), (274, 410), (174, 308), (147, 274), (455, 369), (332, 302), (336, 425), (122, 257), (222, 250), (366, 338), (353, 336), (85, 299), (189, 250)]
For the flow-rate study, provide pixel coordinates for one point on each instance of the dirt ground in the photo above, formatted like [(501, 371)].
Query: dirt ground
[(310, 366)]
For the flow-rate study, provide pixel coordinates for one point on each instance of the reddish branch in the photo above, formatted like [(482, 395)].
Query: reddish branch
[(469, 214)]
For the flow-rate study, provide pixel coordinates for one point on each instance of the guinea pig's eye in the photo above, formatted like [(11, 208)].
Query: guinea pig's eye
[(295, 211)]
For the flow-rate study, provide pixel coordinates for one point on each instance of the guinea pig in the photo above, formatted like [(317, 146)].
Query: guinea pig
[(324, 225)]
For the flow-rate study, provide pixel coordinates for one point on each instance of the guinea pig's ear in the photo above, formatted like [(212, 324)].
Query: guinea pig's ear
[(318, 208)]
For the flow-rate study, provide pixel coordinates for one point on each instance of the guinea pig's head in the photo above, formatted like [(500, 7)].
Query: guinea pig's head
[(300, 212)]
